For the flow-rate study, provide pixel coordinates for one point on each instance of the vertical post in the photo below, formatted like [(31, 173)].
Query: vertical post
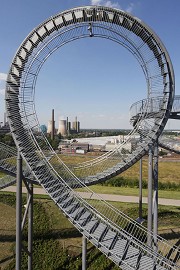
[(84, 252), (140, 219), (155, 203), (30, 228), (18, 212), (150, 170), (53, 126), (140, 191)]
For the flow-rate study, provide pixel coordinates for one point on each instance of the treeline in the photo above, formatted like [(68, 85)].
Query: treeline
[(120, 181), (7, 139)]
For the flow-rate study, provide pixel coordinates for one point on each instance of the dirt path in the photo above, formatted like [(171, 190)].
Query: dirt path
[(107, 197)]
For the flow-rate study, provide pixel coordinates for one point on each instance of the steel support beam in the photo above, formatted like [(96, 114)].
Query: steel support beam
[(84, 252), (155, 197), (30, 228), (150, 200), (21, 221), (19, 212), (140, 191)]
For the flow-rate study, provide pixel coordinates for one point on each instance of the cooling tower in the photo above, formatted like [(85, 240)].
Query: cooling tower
[(49, 129), (62, 127)]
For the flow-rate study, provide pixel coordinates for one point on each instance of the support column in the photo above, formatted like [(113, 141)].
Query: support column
[(140, 219), (84, 252), (155, 202), (30, 228), (18, 212), (150, 170)]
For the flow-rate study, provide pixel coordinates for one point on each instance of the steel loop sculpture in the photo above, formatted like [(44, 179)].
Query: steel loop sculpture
[(115, 234)]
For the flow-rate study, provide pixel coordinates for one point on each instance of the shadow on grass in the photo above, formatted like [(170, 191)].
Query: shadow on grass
[(175, 257), (7, 259), (7, 238), (170, 235)]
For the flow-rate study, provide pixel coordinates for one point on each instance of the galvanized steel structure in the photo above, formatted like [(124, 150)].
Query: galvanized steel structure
[(119, 237)]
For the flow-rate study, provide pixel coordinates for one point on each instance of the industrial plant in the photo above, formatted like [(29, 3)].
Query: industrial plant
[(65, 127)]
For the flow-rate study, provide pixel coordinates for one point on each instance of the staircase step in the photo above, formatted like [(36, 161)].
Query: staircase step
[(147, 263), (108, 238), (77, 213), (54, 187), (67, 202), (119, 247), (84, 218), (71, 208), (60, 197), (99, 230), (59, 192), (91, 225), (131, 252)]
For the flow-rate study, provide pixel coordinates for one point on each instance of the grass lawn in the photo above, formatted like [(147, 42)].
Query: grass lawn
[(54, 234), (127, 191), (1, 174), (7, 233), (169, 171)]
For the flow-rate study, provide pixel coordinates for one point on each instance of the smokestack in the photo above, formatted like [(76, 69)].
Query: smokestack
[(67, 126), (4, 119), (53, 125)]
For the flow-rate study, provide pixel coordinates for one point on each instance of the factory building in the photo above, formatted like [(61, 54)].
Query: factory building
[(76, 125), (73, 147), (5, 128)]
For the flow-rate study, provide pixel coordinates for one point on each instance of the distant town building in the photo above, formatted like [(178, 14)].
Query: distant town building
[(73, 147), (43, 128), (4, 129)]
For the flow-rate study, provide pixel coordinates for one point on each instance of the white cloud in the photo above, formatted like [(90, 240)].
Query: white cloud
[(130, 8), (3, 76), (96, 2), (111, 4), (2, 92), (106, 3)]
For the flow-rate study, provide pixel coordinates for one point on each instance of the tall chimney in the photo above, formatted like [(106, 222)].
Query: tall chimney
[(4, 119), (53, 126)]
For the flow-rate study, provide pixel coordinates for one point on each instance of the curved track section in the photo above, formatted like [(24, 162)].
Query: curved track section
[(7, 181), (170, 144), (115, 234), (88, 22), (8, 157), (153, 105), (151, 108)]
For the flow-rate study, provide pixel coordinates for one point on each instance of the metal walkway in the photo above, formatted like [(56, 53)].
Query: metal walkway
[(8, 156), (124, 241)]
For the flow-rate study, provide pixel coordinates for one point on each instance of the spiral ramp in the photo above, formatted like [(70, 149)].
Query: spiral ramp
[(124, 241), (153, 105)]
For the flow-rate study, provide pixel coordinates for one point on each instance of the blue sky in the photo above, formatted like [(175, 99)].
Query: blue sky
[(88, 78)]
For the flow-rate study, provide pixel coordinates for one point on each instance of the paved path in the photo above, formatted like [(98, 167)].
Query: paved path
[(107, 197)]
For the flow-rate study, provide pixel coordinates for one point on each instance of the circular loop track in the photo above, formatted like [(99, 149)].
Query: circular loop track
[(87, 22), (122, 239)]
